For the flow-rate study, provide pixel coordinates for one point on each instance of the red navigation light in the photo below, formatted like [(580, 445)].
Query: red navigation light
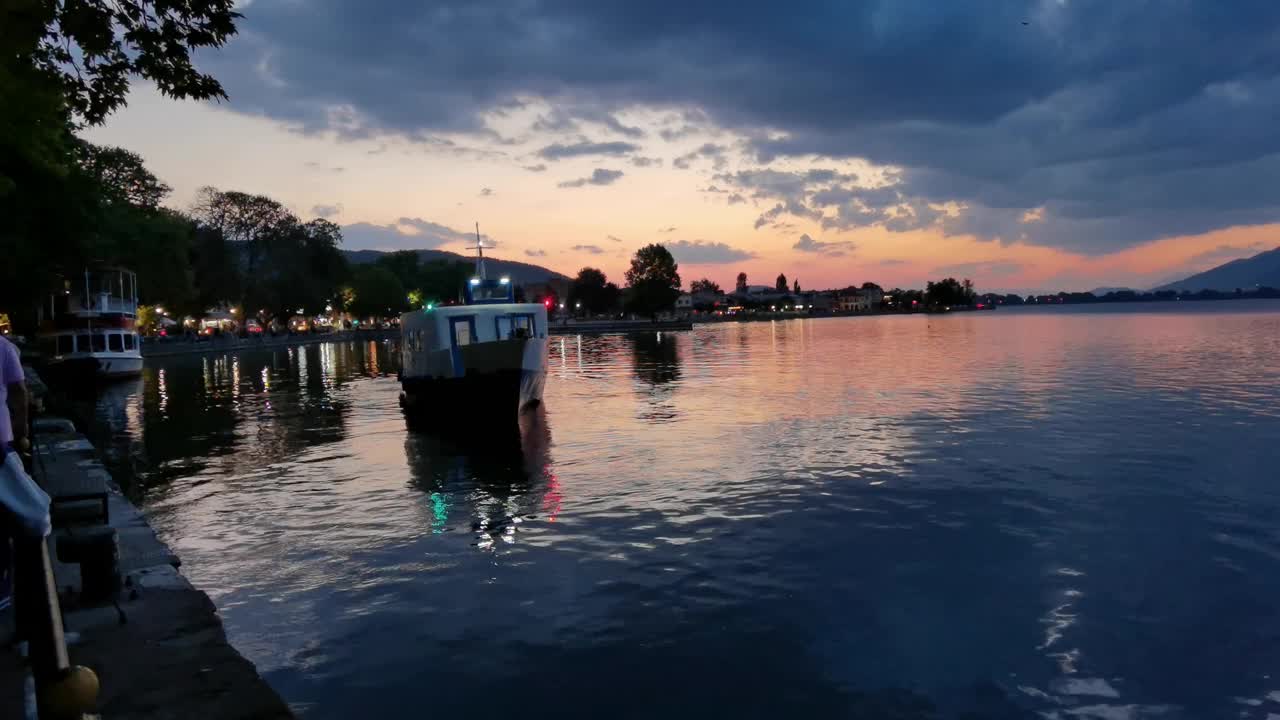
[(546, 303)]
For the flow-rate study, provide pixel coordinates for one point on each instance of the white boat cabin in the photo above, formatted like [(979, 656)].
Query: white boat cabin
[(432, 338)]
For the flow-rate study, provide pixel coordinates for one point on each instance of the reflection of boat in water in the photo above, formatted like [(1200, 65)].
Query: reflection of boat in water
[(490, 482), (88, 330), (481, 357)]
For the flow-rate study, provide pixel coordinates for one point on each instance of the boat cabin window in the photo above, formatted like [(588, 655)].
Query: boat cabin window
[(115, 342), (82, 343), (523, 325), (66, 344), (99, 343), (463, 330), (129, 341), (503, 325)]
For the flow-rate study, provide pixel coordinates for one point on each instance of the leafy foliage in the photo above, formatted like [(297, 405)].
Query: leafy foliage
[(120, 175), (284, 264), (949, 292), (705, 285), (375, 291), (653, 283), (594, 291), (91, 48), (781, 284), (742, 283)]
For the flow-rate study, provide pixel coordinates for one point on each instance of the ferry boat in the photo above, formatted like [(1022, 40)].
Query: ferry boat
[(477, 357), (89, 328)]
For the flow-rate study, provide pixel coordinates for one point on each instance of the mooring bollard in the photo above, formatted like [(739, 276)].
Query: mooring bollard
[(97, 551)]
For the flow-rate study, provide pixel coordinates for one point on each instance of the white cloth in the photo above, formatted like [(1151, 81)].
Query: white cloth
[(23, 498)]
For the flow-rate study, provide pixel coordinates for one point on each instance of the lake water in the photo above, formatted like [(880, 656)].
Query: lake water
[(1071, 513)]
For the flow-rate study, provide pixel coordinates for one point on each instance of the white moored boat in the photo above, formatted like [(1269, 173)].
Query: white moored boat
[(89, 329), (474, 357)]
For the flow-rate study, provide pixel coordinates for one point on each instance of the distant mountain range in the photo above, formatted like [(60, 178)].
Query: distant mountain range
[(1261, 270), (519, 272), (1104, 290)]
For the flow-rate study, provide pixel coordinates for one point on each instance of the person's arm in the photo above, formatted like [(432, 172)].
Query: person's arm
[(18, 414)]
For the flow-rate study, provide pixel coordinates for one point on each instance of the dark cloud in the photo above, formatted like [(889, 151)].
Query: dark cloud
[(830, 249), (326, 211), (614, 238), (404, 234), (560, 120), (640, 161), (540, 167), (711, 151), (592, 249), (599, 176), (486, 192), (700, 252), (559, 151), (830, 198), (669, 229), (1125, 121), (735, 199), (536, 253), (679, 133)]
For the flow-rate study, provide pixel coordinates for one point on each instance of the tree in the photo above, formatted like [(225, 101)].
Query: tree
[(949, 292), (781, 284), (742, 283), (91, 49), (215, 269), (121, 175), (284, 264), (442, 280), (406, 265), (795, 287), (375, 292), (704, 286), (593, 290), (653, 283), (871, 286), (63, 64)]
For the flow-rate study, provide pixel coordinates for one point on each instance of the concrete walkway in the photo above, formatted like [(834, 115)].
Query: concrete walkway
[(162, 653)]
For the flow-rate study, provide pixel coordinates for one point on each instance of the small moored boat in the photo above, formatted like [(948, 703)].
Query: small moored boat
[(486, 357), (88, 330)]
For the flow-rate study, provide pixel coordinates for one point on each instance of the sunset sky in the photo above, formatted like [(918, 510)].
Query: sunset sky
[(1029, 145)]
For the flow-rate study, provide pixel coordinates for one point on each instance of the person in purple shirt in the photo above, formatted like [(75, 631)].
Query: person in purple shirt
[(13, 436), (13, 399)]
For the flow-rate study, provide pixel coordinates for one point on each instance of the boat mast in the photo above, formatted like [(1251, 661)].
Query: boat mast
[(480, 256)]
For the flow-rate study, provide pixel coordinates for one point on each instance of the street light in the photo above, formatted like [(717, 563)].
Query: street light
[(577, 305), (561, 306)]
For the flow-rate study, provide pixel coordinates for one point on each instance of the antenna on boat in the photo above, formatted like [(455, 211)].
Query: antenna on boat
[(479, 248)]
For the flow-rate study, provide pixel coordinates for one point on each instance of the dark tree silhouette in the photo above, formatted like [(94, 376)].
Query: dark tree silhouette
[(653, 283), (949, 292), (742, 282), (91, 48), (375, 291), (795, 287), (781, 284), (594, 291), (704, 285)]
